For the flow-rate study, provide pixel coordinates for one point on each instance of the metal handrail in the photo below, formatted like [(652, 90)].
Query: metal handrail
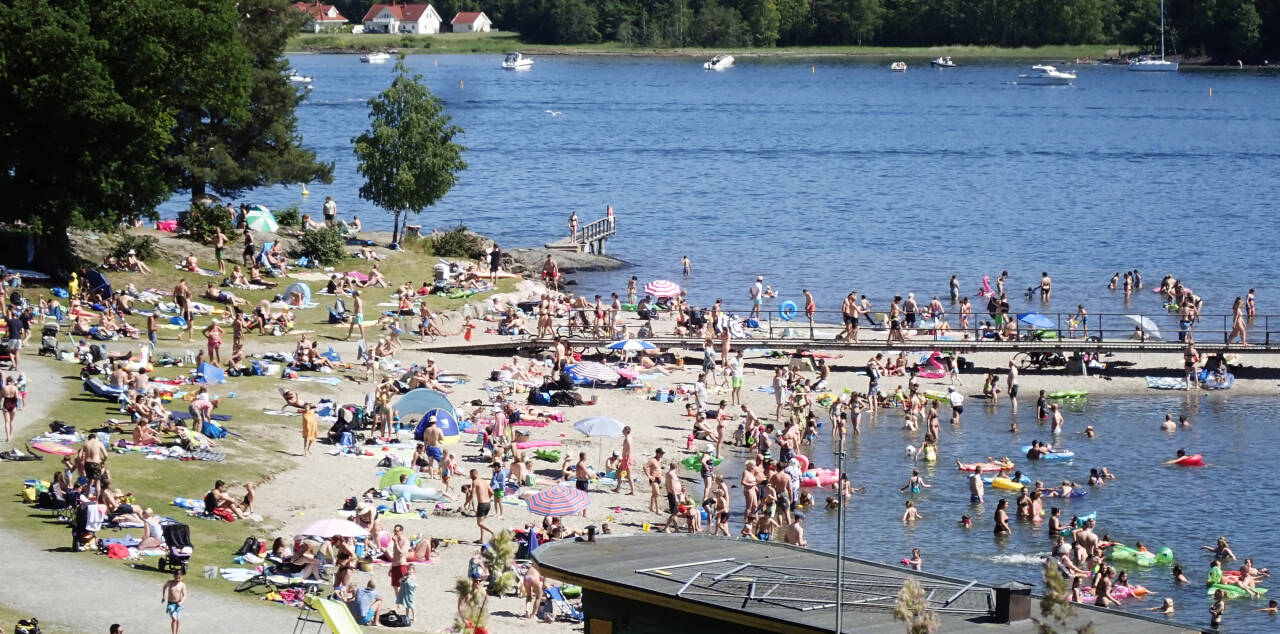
[(597, 230)]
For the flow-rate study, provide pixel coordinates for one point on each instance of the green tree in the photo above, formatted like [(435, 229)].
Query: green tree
[(254, 142), (764, 22), (91, 92), (408, 156), (1239, 29), (1056, 610), (912, 608)]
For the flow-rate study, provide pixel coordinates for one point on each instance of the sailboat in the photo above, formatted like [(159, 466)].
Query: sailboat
[(1155, 65)]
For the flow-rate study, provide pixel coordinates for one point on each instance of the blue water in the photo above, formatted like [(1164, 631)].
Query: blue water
[(849, 176), (836, 175), (1179, 507)]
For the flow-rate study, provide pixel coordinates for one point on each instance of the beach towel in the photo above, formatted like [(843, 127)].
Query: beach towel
[(1166, 383)]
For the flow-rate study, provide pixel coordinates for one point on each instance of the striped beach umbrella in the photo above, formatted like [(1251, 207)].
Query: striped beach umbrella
[(632, 345), (557, 502), (593, 371), (662, 288), (260, 218)]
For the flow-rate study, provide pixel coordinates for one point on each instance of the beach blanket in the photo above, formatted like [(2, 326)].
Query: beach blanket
[(1166, 383), (309, 276), (279, 412), (328, 380)]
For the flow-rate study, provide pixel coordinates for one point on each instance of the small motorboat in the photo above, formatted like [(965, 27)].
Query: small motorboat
[(943, 62), (898, 67), (1044, 75), (719, 62), (295, 77), (376, 57), (516, 61)]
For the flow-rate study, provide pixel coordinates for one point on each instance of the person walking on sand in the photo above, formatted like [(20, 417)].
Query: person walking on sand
[(736, 364), (481, 496), (582, 476), (213, 342), (675, 490), (357, 315), (624, 464), (653, 473), (174, 595), (310, 427)]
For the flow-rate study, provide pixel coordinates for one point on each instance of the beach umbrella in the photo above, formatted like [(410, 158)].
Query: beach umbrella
[(423, 400), (1036, 320), (446, 422), (1146, 325), (662, 288), (97, 283), (593, 371), (557, 502), (392, 476), (632, 345), (331, 527), (599, 426), (260, 218)]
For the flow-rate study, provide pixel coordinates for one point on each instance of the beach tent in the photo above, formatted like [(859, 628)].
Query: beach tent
[(301, 289), (209, 373), (96, 282), (422, 400), (447, 422)]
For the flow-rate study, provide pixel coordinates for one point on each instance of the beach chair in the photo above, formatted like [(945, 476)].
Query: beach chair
[(565, 610)]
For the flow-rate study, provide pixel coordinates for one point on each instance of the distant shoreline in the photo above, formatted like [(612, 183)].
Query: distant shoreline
[(495, 44)]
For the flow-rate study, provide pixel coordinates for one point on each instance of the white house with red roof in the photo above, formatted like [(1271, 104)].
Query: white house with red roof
[(320, 17), (420, 19), (471, 22)]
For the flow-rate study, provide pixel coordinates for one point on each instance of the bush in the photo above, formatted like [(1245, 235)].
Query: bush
[(145, 247), (201, 222), (323, 246), (455, 243), (289, 217)]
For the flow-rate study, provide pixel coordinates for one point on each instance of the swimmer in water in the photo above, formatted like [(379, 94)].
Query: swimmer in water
[(1088, 432), (1165, 607), (1168, 424), (911, 514), (1272, 608), (916, 483), (966, 522)]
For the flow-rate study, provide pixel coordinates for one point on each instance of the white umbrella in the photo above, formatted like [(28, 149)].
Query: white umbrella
[(1146, 325), (662, 288), (599, 426)]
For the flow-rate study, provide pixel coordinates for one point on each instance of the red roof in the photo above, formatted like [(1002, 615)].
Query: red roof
[(320, 12), (466, 17), (403, 12)]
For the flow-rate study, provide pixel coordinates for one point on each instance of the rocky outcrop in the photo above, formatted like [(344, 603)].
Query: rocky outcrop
[(529, 260)]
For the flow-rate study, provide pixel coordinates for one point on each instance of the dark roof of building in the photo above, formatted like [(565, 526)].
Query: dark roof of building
[(783, 588)]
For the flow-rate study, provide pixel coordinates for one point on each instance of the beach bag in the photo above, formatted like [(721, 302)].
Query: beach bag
[(392, 619), (251, 546), (400, 506), (27, 626), (540, 398), (213, 431)]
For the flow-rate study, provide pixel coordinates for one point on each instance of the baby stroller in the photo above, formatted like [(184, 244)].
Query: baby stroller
[(177, 540), (49, 339)]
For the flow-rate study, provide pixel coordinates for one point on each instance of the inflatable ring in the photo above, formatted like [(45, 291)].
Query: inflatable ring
[(787, 310)]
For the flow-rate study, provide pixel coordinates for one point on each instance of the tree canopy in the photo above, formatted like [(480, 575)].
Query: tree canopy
[(408, 156), (1222, 29)]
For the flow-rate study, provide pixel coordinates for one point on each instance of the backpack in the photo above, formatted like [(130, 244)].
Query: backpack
[(27, 626), (251, 546)]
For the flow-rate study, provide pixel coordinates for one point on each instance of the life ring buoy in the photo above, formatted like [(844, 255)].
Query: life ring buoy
[(787, 310)]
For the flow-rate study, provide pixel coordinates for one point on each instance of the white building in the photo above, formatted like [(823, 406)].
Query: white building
[(471, 22), (420, 19), (320, 17)]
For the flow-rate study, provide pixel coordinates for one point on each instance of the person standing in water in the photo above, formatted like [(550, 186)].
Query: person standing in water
[(687, 265), (1046, 287), (1011, 382)]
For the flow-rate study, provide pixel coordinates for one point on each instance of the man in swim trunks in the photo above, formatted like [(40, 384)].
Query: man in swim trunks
[(582, 476), (736, 364), (357, 315), (653, 473), (174, 594), (1012, 383), (432, 437), (93, 456), (675, 488), (482, 496)]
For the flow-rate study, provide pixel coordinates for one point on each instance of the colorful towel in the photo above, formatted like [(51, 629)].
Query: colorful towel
[(1166, 383)]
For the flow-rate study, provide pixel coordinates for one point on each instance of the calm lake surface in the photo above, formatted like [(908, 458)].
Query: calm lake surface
[(836, 175)]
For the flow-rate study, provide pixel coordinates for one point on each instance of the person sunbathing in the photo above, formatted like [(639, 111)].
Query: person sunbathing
[(255, 277), (133, 264), (191, 263), (144, 436), (217, 498), (227, 297), (308, 224), (238, 279), (376, 279), (369, 254), (990, 465)]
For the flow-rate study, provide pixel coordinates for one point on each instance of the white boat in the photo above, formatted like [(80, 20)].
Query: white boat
[(719, 62), (516, 61), (898, 67), (1044, 75), (297, 78), (376, 57), (943, 62), (1150, 64)]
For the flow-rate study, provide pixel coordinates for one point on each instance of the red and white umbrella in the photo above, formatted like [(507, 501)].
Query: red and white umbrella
[(662, 288)]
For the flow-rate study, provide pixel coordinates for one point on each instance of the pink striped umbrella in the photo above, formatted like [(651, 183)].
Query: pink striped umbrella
[(662, 288)]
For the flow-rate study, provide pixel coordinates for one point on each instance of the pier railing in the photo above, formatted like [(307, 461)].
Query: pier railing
[(592, 235), (1136, 328)]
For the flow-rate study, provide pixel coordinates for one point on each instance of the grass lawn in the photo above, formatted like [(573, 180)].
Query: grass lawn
[(155, 483), (502, 42), (9, 617)]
